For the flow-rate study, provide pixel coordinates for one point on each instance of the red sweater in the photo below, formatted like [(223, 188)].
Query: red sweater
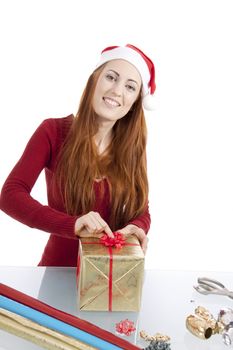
[(41, 153)]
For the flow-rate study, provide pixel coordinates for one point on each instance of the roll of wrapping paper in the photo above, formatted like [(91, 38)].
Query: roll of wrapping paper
[(38, 334), (89, 328)]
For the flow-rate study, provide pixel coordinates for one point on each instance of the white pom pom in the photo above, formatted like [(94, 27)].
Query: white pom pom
[(149, 102)]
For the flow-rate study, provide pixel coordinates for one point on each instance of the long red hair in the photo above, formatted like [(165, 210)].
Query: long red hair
[(124, 162)]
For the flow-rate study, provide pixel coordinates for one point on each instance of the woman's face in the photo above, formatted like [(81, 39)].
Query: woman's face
[(117, 88)]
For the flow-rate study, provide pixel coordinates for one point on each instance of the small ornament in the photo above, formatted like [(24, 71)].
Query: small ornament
[(227, 334), (157, 342), (225, 316), (198, 327), (125, 327), (158, 345), (157, 337), (208, 317), (202, 324)]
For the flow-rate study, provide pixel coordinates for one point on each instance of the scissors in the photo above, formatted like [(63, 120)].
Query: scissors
[(210, 286)]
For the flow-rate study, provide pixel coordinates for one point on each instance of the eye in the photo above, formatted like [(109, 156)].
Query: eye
[(110, 77), (130, 87)]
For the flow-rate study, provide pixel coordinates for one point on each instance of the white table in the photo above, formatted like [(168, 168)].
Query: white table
[(168, 298)]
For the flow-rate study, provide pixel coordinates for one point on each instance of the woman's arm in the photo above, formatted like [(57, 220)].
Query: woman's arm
[(143, 221), (15, 199), (139, 227)]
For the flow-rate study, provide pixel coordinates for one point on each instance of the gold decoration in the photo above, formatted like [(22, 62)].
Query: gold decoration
[(199, 327), (203, 324), (156, 337), (208, 317)]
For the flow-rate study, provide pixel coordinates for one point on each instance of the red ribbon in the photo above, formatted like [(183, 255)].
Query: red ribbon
[(117, 242), (110, 279)]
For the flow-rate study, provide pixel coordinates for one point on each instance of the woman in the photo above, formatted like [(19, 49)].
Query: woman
[(95, 162)]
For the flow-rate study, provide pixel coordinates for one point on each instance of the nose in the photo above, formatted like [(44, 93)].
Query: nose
[(117, 89)]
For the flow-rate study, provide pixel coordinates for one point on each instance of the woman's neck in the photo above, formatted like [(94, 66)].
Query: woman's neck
[(104, 136)]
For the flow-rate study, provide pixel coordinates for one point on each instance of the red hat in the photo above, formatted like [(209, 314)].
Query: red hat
[(143, 64)]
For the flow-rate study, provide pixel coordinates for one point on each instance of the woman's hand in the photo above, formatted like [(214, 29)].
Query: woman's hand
[(92, 225), (138, 232)]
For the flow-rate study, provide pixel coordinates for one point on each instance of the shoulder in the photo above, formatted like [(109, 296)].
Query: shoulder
[(58, 124), (57, 128), (51, 134)]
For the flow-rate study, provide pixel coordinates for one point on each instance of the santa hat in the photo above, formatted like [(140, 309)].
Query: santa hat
[(143, 64)]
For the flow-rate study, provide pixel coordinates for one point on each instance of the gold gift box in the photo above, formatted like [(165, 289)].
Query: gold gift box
[(110, 279)]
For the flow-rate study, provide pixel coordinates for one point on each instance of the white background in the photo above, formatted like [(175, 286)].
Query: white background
[(48, 50)]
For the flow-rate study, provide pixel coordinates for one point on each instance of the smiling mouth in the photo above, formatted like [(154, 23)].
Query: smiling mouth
[(111, 102)]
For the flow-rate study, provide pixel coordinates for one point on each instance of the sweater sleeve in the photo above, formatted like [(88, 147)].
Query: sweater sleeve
[(15, 199), (143, 221)]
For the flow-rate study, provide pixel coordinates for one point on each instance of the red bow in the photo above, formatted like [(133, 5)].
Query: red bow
[(125, 327), (118, 241)]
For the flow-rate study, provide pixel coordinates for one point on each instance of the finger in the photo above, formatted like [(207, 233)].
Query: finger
[(139, 234), (125, 232), (103, 225), (144, 245), (88, 225), (108, 231), (98, 235), (92, 225)]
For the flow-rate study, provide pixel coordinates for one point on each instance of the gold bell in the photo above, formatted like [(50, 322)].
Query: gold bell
[(202, 324), (198, 327)]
